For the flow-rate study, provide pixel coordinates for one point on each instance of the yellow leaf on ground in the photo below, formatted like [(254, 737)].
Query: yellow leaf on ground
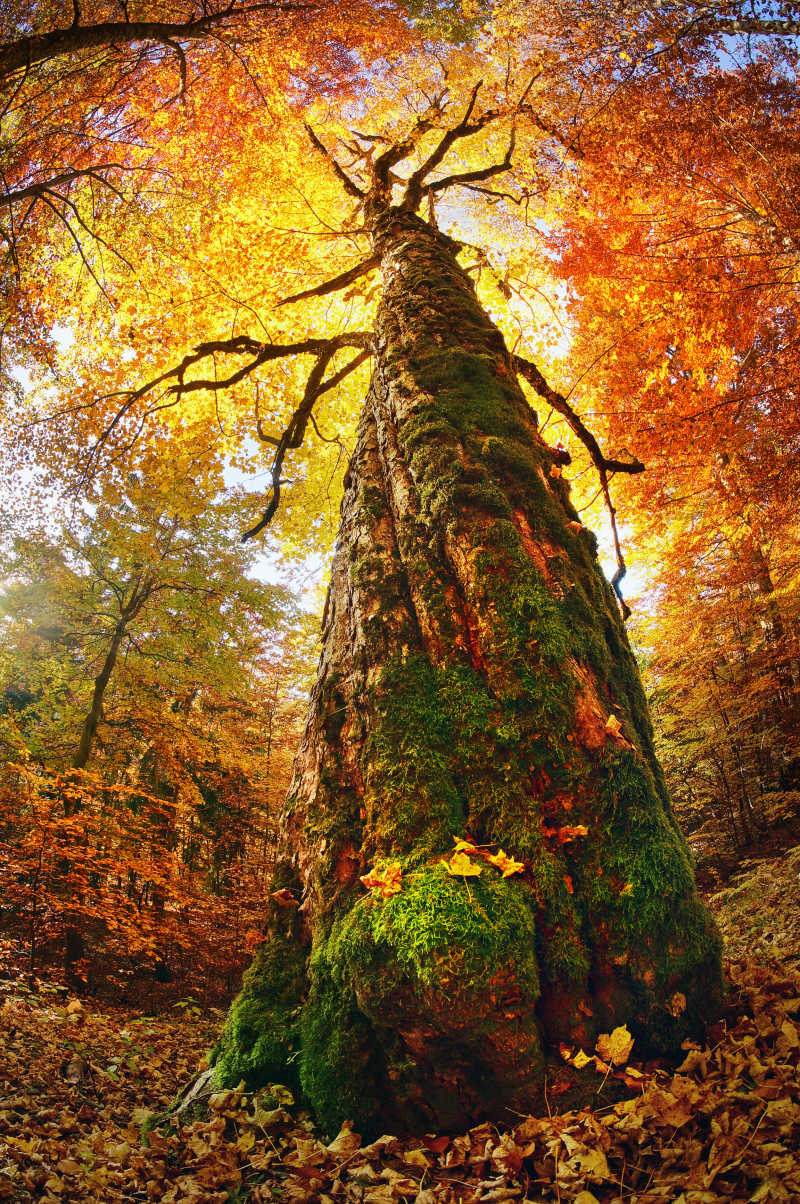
[(615, 1047)]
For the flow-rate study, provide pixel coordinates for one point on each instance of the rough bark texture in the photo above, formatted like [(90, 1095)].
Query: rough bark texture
[(472, 654)]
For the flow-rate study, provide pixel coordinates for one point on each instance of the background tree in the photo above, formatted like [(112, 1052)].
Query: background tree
[(135, 642)]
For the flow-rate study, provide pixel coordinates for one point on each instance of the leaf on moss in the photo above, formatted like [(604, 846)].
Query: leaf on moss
[(387, 881), (463, 846), (460, 863), (613, 726), (507, 865)]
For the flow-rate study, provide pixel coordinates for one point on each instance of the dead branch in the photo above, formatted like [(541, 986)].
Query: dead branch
[(26, 52), (294, 433), (174, 384), (335, 283), (603, 464), (349, 185)]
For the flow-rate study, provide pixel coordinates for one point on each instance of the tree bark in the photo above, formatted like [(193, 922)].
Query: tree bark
[(472, 656)]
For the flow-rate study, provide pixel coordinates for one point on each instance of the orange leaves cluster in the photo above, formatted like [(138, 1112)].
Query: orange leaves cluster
[(387, 881), (104, 862)]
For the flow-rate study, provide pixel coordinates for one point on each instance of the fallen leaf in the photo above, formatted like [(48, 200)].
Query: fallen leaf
[(615, 1047), (507, 865), (387, 882), (613, 726), (460, 864)]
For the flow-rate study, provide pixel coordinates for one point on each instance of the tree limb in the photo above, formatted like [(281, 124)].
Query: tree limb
[(335, 283), (294, 433), (25, 53), (349, 185), (482, 173), (604, 465), (259, 353), (416, 185)]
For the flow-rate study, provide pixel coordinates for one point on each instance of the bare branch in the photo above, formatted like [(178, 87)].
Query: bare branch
[(416, 182), (349, 185), (482, 173), (533, 376), (335, 283), (58, 43), (174, 384), (65, 177), (294, 433), (604, 466)]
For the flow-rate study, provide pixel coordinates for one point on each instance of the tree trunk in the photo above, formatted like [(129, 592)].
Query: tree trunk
[(89, 729), (472, 656)]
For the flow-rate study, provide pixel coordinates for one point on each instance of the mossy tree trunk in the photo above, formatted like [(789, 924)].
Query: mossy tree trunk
[(473, 653)]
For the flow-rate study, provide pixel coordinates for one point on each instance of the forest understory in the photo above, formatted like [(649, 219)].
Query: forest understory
[(84, 1089)]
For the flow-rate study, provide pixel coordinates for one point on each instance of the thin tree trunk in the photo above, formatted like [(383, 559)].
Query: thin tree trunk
[(474, 666), (89, 729)]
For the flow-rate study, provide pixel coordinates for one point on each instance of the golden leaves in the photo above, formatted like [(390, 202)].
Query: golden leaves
[(500, 860), (460, 864)]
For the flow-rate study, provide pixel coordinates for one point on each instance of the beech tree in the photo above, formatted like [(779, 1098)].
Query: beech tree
[(478, 860)]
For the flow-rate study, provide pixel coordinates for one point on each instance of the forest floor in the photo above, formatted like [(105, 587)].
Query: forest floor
[(78, 1085)]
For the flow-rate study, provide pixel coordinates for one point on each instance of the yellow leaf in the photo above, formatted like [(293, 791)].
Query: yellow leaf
[(507, 865), (615, 1047), (581, 1059), (463, 846), (555, 471), (613, 726), (460, 863)]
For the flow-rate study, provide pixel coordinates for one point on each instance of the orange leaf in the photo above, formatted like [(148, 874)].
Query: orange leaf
[(387, 882), (507, 865)]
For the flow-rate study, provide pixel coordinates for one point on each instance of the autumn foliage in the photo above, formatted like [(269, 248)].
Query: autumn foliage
[(202, 206)]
